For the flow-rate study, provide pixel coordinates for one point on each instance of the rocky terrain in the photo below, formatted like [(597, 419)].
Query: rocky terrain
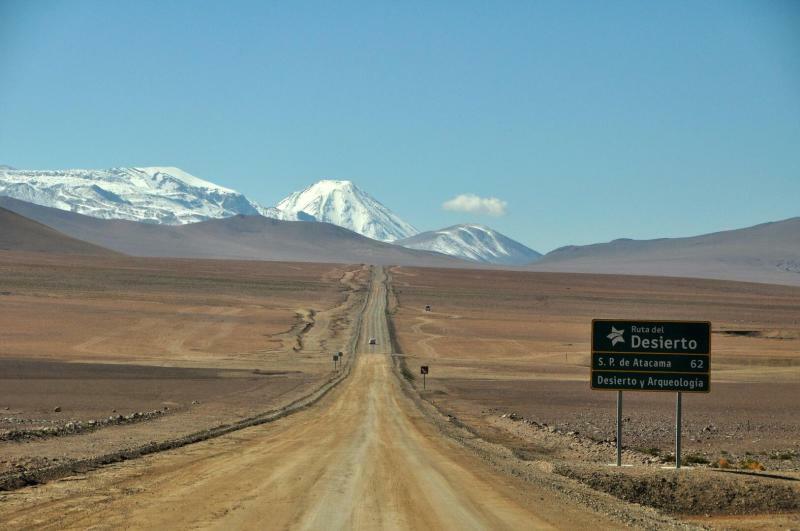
[(508, 360)]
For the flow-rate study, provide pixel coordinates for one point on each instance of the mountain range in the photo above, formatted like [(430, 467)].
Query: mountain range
[(343, 203), (162, 211), (20, 233), (171, 196), (163, 195), (768, 252), (240, 237), (473, 242)]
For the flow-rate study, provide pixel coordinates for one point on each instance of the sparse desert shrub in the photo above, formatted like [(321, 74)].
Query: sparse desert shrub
[(782, 456), (721, 463), (655, 452), (694, 460), (750, 464)]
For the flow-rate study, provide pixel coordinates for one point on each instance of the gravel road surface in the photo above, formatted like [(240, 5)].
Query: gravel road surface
[(364, 457)]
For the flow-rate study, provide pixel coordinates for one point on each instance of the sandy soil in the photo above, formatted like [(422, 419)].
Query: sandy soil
[(509, 353), (371, 453), (363, 458), (158, 312), (180, 345)]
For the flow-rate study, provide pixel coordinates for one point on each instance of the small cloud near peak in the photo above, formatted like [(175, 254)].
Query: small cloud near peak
[(475, 204)]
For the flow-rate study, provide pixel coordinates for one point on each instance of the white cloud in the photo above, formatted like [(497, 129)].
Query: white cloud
[(476, 205)]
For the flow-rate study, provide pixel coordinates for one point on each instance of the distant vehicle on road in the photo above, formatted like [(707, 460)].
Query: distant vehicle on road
[(373, 341)]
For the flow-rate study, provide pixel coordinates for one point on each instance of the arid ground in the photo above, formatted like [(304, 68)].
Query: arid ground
[(509, 354), (102, 354), (365, 454), (174, 393)]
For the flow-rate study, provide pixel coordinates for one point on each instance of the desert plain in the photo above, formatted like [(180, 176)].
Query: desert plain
[(103, 354), (508, 355), (112, 366)]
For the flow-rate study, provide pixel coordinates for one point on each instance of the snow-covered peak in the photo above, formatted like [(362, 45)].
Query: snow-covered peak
[(343, 203), (151, 194), (161, 172), (169, 195), (473, 242), (329, 185)]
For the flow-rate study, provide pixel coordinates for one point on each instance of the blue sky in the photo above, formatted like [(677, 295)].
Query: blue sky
[(591, 120)]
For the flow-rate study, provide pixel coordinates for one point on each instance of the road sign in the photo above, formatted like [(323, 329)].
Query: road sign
[(693, 363), (423, 369), (640, 381), (651, 355), (654, 337)]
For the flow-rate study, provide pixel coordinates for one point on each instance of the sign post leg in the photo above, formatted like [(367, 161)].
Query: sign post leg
[(619, 428), (423, 382), (678, 400)]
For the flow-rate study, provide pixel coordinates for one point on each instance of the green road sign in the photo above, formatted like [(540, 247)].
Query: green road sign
[(651, 355)]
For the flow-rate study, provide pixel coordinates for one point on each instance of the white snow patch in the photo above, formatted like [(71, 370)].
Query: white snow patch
[(343, 203), (473, 242), (188, 178), (159, 194)]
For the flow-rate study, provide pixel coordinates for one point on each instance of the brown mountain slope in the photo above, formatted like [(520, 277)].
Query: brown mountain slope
[(769, 253), (18, 233), (238, 237)]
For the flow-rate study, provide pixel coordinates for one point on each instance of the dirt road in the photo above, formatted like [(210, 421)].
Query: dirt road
[(362, 458)]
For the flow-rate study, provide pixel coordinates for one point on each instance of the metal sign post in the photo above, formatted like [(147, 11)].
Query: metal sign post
[(423, 370), (335, 359), (619, 428), (678, 430), (651, 356)]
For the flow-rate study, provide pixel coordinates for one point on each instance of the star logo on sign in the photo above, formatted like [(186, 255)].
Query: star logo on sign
[(616, 336)]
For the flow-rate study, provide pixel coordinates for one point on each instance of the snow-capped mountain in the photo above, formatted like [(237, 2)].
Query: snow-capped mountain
[(164, 195), (473, 242), (170, 196), (343, 203)]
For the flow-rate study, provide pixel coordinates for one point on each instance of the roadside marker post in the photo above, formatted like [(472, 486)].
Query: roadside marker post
[(619, 428), (654, 356), (678, 401), (423, 370), (335, 359)]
